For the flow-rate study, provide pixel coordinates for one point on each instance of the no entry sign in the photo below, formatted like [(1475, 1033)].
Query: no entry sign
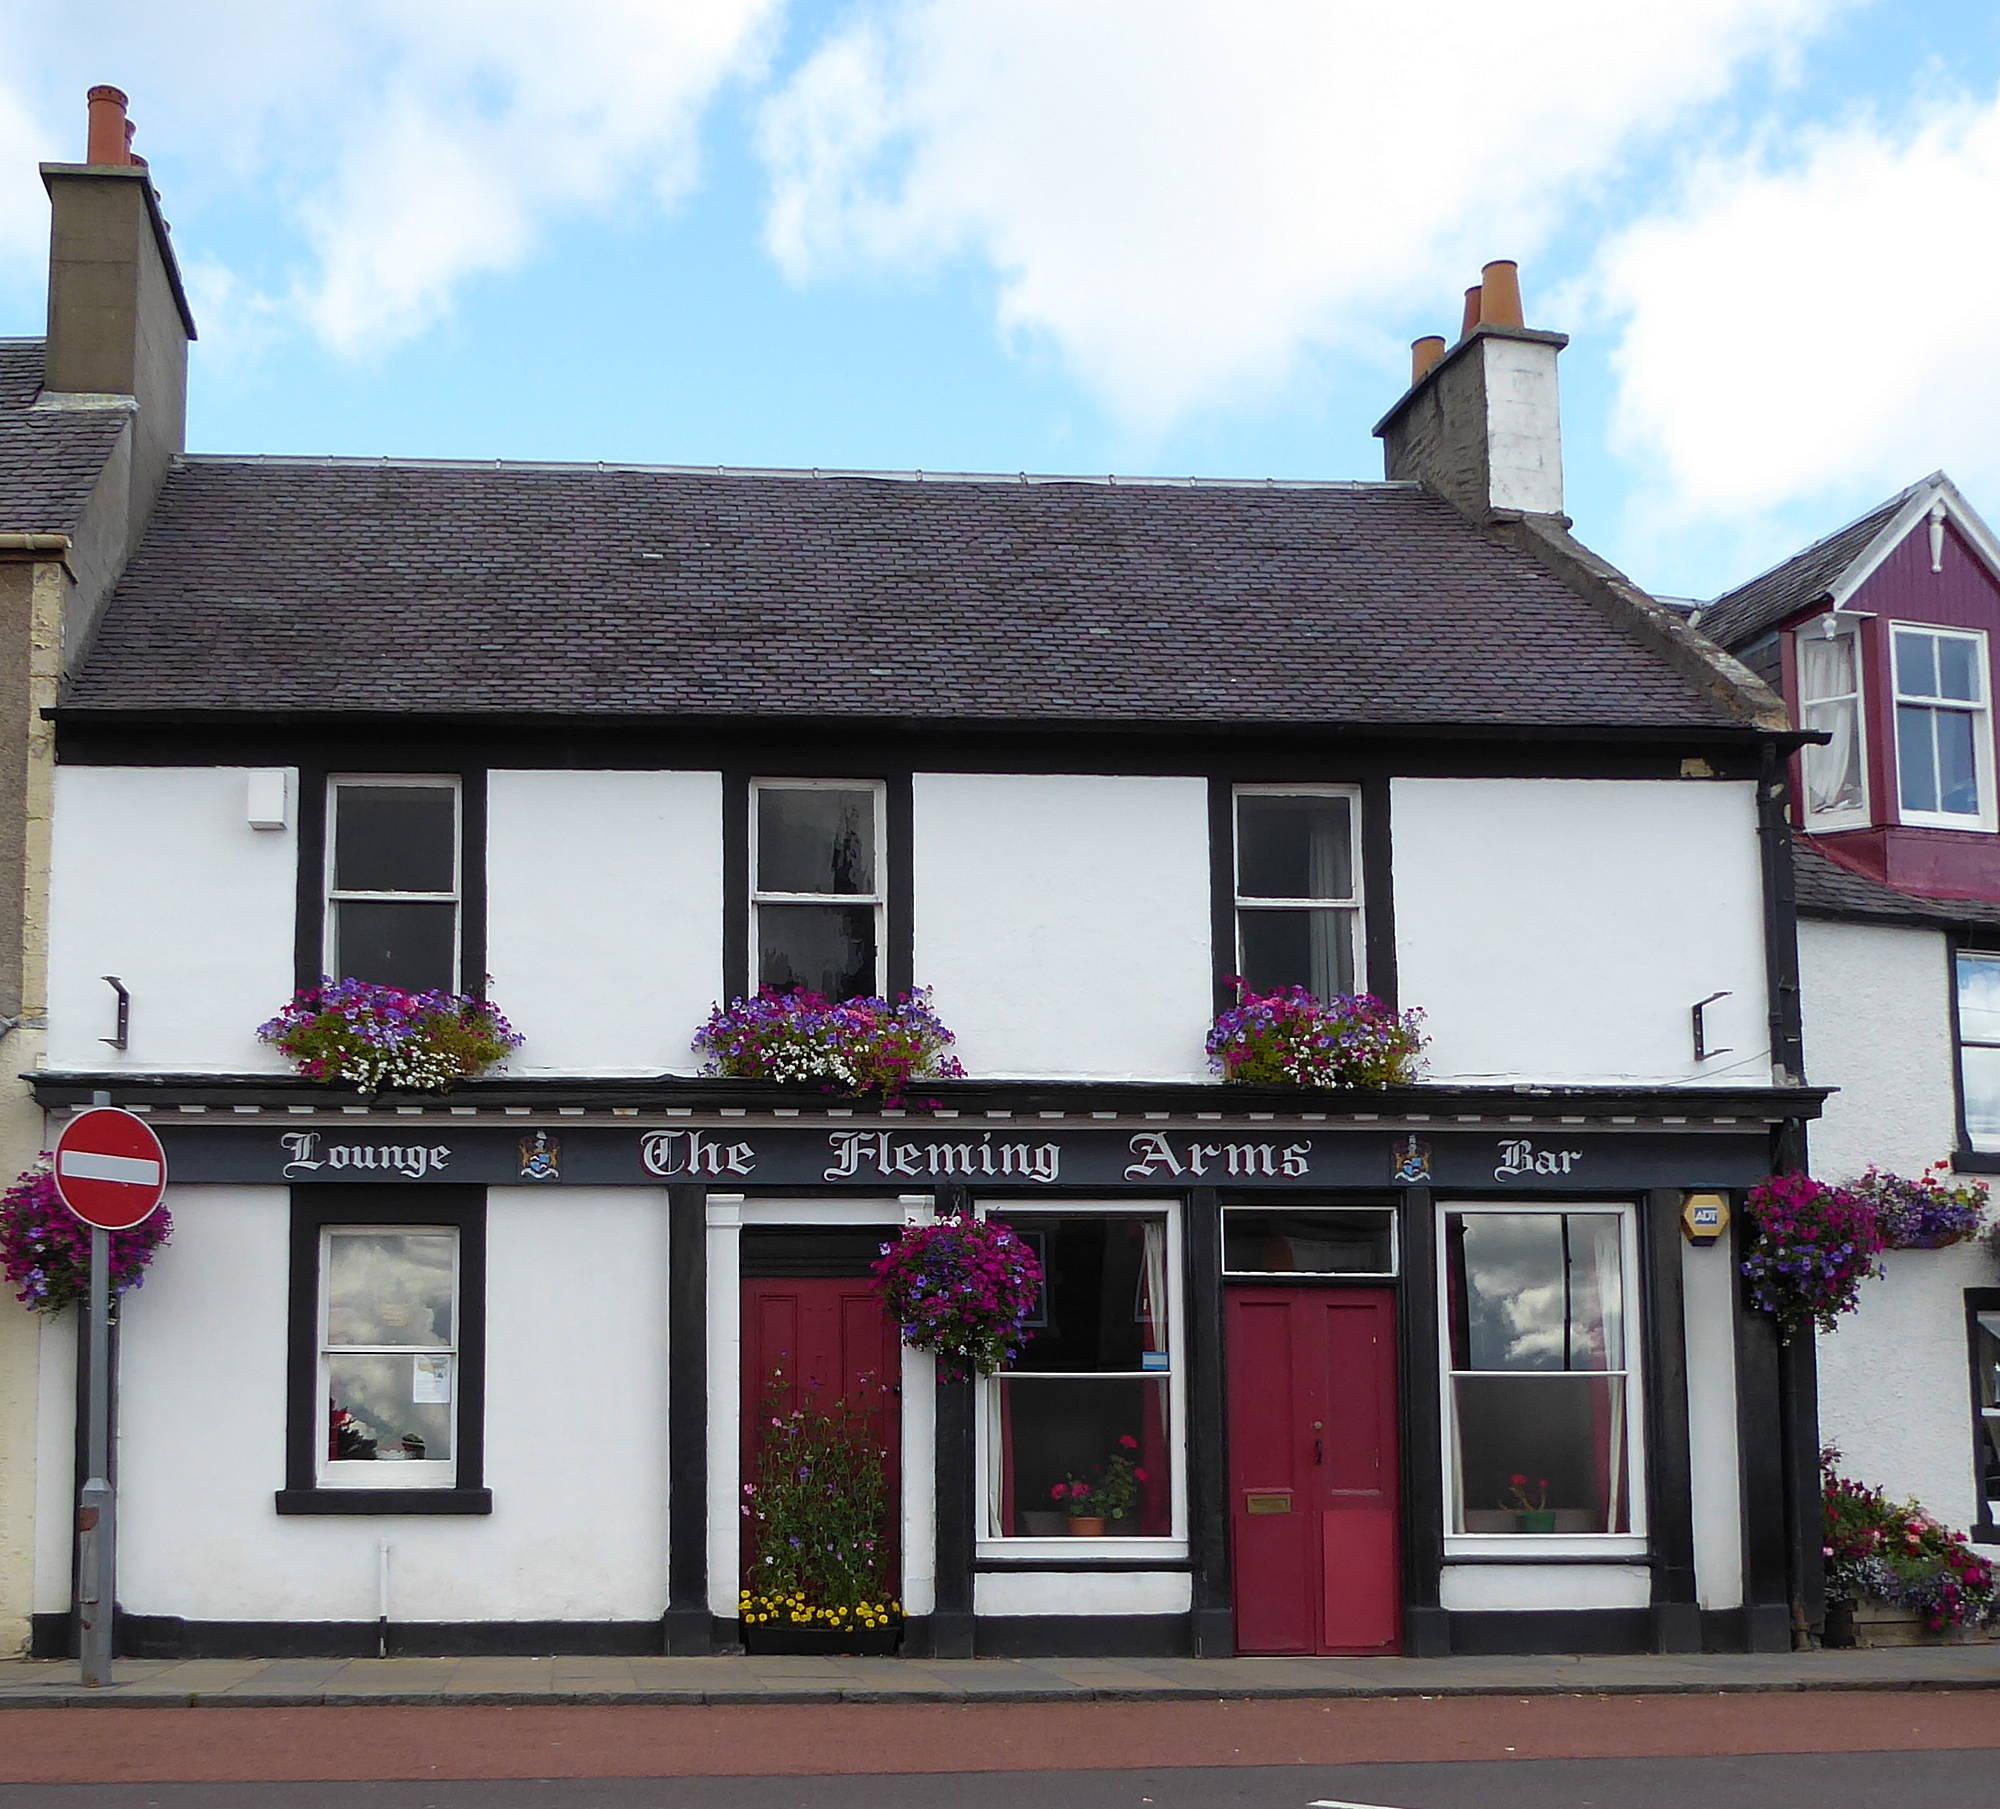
[(110, 1169)]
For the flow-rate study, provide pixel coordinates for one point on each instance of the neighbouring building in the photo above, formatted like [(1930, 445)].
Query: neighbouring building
[(89, 418), (1882, 635), (482, 1371)]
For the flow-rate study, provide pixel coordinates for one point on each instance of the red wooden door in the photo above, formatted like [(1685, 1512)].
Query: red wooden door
[(833, 1341), (1312, 1469)]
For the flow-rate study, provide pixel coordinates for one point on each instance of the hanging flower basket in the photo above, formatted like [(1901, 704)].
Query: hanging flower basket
[(378, 1037), (961, 1288), (45, 1248), (1932, 1212), (1290, 1038), (1811, 1248), (857, 1047)]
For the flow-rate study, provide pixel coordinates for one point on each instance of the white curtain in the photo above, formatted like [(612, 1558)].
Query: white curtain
[(1827, 684), (1153, 1310)]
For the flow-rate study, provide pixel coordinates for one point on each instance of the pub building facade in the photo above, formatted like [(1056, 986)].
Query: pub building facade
[(1431, 1369)]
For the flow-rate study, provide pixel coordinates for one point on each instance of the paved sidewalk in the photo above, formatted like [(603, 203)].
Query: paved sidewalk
[(291, 1683)]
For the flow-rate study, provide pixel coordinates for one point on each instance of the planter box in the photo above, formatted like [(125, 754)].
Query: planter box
[(1891, 1624), (779, 1639)]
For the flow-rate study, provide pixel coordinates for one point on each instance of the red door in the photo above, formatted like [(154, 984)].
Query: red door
[(1312, 1469), (833, 1341)]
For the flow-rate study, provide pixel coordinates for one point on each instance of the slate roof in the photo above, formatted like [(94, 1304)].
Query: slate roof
[(1824, 888), (49, 458), (361, 586), (1739, 616)]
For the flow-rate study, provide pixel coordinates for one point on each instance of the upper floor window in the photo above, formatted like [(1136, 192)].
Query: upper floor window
[(1983, 1309), (1944, 752), (1298, 888), (816, 895), (1830, 699), (393, 882), (1978, 984)]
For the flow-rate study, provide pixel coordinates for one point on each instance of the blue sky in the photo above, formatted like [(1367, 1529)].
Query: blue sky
[(1177, 237)]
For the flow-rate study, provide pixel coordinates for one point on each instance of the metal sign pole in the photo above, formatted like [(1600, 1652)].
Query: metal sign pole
[(97, 1591)]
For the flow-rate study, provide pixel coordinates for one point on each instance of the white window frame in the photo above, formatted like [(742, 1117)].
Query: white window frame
[(1352, 905), (1847, 628), (1278, 1205), (1962, 1041), (1530, 1547), (330, 963), (879, 897), (376, 1473), (1982, 730), (1112, 1548), (1985, 1422)]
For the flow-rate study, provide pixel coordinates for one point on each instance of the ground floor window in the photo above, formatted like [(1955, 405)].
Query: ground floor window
[(1542, 1407), (386, 1370), (1081, 1437), (1983, 1312)]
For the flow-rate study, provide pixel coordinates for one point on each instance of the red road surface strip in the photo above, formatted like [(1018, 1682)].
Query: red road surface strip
[(90, 1746)]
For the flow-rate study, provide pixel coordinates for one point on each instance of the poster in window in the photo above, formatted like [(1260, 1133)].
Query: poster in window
[(430, 1380)]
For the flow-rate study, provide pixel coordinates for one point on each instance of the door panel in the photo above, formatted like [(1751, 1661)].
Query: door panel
[(1313, 1469)]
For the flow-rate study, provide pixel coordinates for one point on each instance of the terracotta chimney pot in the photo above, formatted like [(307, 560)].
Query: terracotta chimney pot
[(1500, 290), (110, 134), (1424, 356), (1473, 306)]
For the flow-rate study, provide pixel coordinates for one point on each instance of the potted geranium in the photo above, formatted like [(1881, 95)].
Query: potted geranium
[(1931, 1212), (1290, 1038), (818, 1512), (961, 1288), (1113, 1495), (856, 1046), (376, 1037), (1811, 1247), (45, 1248), (1532, 1513)]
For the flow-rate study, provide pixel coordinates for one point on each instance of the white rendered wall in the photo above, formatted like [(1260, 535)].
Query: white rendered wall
[(1064, 922), (159, 879), (1523, 426), (604, 916), (1708, 1305), (576, 1455), (1082, 1592), (1893, 1393), (1492, 1588), (1558, 929)]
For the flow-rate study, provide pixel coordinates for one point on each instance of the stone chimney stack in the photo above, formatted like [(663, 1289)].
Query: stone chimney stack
[(1480, 423), (119, 323)]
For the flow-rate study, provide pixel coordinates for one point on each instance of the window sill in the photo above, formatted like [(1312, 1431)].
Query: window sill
[(1535, 1548), (385, 1501), (1975, 1161), (1072, 1551)]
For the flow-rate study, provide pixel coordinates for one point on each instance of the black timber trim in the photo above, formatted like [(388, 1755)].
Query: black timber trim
[(1222, 890), (952, 1632), (899, 883), (1426, 1627), (1378, 891), (1975, 1162), (734, 981), (1781, 934), (1081, 1636), (312, 1209), (170, 1636), (1752, 1106), (1984, 1530), (1212, 1617), (1670, 1465), (309, 935), (686, 1628), (1533, 1631), (1760, 1459)]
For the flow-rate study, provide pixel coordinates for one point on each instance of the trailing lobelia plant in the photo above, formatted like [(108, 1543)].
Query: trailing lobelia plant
[(45, 1248), (857, 1047), (376, 1037), (1290, 1038), (1929, 1213), (1811, 1248), (962, 1289)]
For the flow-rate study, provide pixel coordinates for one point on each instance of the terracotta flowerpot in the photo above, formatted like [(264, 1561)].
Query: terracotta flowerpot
[(1086, 1526)]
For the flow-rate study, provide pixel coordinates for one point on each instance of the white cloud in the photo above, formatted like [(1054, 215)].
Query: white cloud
[(1814, 317), (410, 148), (1183, 194)]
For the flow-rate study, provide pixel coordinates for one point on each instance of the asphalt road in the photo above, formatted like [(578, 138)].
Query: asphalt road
[(1967, 1779)]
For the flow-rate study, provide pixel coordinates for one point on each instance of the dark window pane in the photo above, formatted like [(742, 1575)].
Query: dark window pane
[(413, 946), (1565, 1434), (1986, 1359), (1313, 949), (393, 838), (1536, 1291), (1958, 776), (1104, 1293), (1307, 1243), (1915, 760), (1293, 847), (827, 949), (816, 840), (1916, 665), (1052, 1432)]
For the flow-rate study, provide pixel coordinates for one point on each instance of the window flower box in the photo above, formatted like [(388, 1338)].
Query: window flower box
[(1290, 1038), (377, 1037), (857, 1047)]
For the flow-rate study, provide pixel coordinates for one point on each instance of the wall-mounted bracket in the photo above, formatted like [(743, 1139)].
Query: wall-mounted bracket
[(125, 1013), (1702, 1051)]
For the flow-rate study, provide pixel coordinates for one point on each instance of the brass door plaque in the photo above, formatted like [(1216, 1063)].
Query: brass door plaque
[(1270, 1501)]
